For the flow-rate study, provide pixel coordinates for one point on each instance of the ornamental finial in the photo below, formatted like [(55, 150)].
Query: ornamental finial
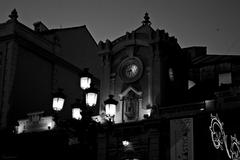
[(14, 14), (146, 20)]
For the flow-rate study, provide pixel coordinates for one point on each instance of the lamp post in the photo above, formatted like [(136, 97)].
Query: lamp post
[(90, 93), (87, 131), (81, 129), (110, 107)]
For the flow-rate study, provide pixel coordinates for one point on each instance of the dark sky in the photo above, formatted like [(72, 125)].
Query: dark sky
[(211, 23)]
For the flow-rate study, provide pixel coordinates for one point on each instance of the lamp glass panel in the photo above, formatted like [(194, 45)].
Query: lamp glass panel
[(225, 78), (85, 82), (111, 109), (91, 99), (76, 113), (58, 103)]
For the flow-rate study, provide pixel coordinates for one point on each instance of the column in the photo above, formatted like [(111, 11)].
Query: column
[(153, 145)]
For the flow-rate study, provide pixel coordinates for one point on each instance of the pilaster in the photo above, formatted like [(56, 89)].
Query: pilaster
[(105, 54), (102, 147), (9, 68), (154, 142)]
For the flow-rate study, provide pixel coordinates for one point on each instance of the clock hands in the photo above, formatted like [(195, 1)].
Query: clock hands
[(131, 70)]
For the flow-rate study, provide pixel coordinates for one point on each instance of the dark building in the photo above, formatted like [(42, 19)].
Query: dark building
[(34, 64), (166, 96)]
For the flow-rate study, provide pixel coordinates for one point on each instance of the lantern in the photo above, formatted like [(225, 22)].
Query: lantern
[(110, 106), (85, 79), (58, 100), (91, 96), (76, 110)]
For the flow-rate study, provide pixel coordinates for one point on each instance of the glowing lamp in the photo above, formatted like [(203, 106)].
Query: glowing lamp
[(91, 96), (110, 106), (85, 79), (76, 111), (58, 100), (125, 143)]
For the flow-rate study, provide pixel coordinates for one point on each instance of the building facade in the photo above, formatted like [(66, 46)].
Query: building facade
[(168, 99), (33, 67), (143, 69), (34, 64)]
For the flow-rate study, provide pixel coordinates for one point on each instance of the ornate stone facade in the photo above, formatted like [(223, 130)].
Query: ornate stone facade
[(142, 69)]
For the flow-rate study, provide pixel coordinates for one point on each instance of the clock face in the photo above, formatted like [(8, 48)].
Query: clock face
[(130, 69)]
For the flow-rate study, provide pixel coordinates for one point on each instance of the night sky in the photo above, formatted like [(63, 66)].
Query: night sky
[(211, 23)]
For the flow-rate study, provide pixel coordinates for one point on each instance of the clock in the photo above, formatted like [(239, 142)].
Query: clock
[(130, 69)]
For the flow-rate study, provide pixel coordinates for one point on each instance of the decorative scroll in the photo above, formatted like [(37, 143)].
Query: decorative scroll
[(219, 139)]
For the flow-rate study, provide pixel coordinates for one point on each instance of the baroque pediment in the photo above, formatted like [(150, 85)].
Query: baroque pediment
[(130, 88)]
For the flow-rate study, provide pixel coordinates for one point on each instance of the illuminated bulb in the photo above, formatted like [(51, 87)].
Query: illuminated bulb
[(91, 99), (125, 143), (85, 82), (58, 103), (76, 113), (111, 109)]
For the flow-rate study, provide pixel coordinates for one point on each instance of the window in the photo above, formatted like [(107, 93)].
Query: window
[(191, 84), (224, 78)]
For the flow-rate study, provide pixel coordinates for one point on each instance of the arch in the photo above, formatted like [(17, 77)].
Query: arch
[(130, 88), (131, 103)]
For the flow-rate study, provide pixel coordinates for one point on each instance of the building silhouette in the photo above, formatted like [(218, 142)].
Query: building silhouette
[(172, 101)]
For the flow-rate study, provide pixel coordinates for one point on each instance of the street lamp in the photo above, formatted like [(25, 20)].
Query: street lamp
[(76, 110), (85, 79), (91, 96), (110, 107), (58, 100)]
